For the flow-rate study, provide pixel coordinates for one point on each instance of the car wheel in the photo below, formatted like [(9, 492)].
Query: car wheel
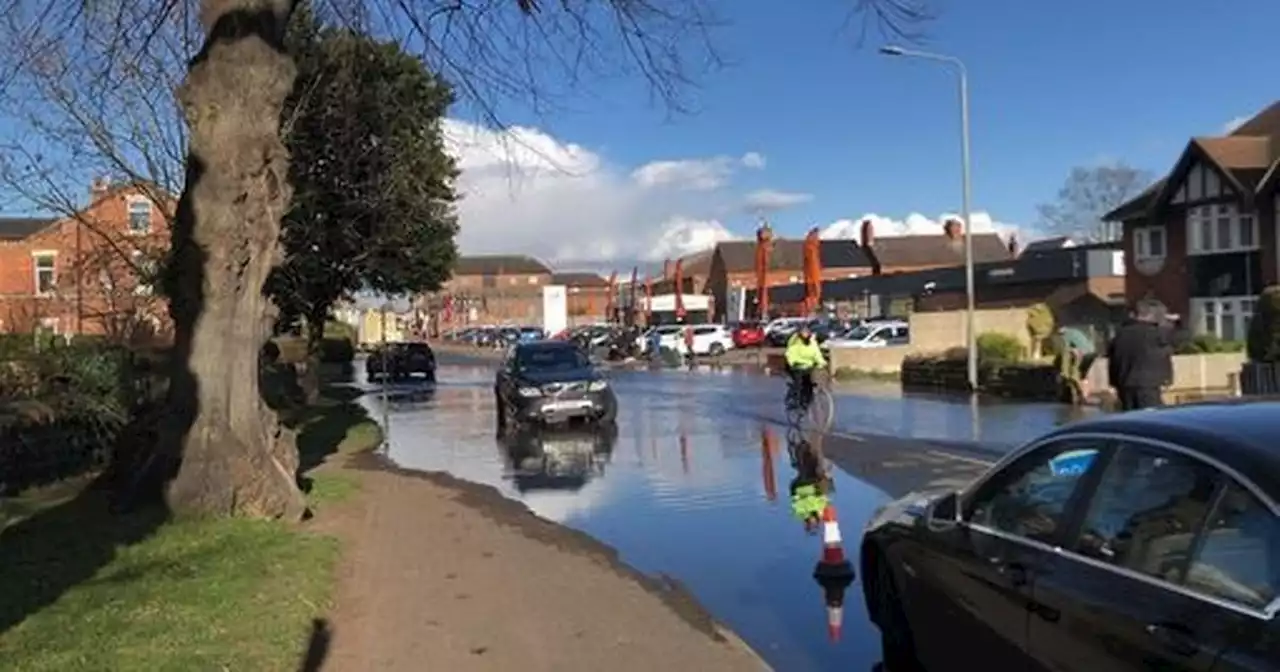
[(610, 413), (716, 349), (501, 413), (895, 632)]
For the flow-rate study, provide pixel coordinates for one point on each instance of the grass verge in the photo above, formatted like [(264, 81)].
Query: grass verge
[(88, 590)]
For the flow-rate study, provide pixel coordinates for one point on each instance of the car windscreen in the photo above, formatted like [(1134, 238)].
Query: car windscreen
[(551, 359), (861, 333)]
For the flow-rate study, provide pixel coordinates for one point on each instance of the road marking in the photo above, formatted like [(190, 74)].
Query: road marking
[(961, 458)]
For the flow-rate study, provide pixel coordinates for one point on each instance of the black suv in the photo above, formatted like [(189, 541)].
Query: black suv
[(550, 382), (402, 361)]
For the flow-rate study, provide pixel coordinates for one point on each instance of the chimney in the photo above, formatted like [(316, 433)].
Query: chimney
[(1013, 245), (954, 228), (868, 233), (99, 187)]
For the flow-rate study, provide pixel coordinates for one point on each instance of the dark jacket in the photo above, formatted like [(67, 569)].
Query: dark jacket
[(1140, 356)]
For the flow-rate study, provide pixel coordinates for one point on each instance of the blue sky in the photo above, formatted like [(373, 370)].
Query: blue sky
[(1053, 85)]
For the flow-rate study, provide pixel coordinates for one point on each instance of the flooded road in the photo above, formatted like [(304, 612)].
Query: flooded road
[(694, 485)]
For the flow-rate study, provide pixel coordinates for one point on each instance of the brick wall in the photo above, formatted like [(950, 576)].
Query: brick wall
[(94, 257), (1167, 281)]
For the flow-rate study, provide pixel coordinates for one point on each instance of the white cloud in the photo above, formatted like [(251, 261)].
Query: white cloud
[(1230, 127), (525, 192), (753, 160), (691, 174), (914, 224), (769, 200)]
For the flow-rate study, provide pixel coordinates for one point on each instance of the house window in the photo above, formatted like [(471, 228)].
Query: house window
[(46, 273), (139, 216), (1149, 242), (1226, 317), (1215, 229), (533, 279)]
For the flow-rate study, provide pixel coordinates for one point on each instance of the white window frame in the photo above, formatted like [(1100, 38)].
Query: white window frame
[(1214, 216), (36, 257), (135, 206), (1142, 242), (1208, 315)]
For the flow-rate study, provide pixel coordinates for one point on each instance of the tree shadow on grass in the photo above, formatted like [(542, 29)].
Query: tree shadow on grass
[(43, 556)]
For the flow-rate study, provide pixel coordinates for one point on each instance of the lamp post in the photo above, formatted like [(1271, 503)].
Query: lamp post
[(970, 336)]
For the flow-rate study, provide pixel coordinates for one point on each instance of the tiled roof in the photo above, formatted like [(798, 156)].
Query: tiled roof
[(499, 264), (936, 250), (17, 228), (739, 256)]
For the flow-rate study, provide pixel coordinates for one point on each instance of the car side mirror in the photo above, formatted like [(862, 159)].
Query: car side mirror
[(944, 513)]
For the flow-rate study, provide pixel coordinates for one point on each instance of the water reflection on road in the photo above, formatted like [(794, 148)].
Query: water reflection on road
[(689, 487)]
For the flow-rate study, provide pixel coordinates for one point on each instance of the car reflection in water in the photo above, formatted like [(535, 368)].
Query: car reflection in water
[(557, 460), (407, 397)]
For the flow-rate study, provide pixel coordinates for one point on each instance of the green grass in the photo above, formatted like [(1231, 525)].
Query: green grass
[(194, 595), (86, 590)]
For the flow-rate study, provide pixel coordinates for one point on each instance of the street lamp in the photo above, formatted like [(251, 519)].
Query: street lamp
[(971, 336)]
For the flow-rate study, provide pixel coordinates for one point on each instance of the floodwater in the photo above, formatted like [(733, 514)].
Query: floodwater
[(694, 485)]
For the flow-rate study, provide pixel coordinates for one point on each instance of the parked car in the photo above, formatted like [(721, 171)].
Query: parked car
[(748, 335), (780, 329), (551, 382), (1138, 541), (875, 334), (402, 360), (531, 334), (709, 339), (668, 335)]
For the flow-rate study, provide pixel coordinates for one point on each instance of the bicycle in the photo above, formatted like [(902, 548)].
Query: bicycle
[(820, 411)]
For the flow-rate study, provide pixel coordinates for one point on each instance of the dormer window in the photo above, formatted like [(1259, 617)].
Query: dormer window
[(139, 216)]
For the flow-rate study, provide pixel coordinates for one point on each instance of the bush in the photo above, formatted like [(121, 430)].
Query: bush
[(1207, 344), (996, 348), (1040, 323), (337, 350), (1264, 330)]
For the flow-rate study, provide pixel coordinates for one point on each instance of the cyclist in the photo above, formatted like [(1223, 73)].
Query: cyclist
[(803, 357), (810, 487)]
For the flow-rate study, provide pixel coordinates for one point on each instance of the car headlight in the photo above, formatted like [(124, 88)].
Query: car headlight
[(530, 392), (598, 385)]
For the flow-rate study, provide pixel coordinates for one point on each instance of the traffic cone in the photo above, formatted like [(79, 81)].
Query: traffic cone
[(834, 573), (832, 542), (835, 620)]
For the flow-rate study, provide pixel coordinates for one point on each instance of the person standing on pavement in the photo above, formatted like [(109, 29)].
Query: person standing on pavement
[(1140, 359)]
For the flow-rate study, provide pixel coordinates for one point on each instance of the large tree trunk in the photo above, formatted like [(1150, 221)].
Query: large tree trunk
[(310, 381), (232, 455)]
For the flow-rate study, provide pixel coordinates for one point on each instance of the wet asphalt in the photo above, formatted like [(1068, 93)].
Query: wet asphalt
[(694, 483)]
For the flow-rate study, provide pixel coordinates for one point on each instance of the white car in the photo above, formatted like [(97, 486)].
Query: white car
[(708, 339), (712, 339), (873, 335), (783, 324)]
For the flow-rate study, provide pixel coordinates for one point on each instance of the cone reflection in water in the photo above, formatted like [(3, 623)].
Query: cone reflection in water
[(834, 573), (766, 455)]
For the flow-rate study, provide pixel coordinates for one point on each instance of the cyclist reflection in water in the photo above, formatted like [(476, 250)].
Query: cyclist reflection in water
[(812, 484)]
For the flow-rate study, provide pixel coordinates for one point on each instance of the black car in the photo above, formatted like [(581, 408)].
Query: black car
[(550, 382), (1138, 541), (402, 360), (539, 460)]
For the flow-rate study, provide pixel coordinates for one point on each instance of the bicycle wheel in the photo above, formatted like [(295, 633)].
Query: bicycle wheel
[(822, 410)]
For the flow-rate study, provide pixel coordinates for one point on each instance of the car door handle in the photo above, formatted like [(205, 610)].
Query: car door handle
[(1015, 572), (1176, 638)]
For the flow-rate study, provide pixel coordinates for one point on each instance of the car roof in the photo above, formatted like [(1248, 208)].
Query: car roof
[(546, 345), (1243, 433)]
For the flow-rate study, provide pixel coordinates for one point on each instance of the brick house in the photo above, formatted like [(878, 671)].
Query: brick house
[(733, 265), (87, 273), (496, 289), (904, 254), (587, 295), (1202, 240)]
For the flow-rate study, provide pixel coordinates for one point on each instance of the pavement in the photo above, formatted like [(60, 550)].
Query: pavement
[(694, 485)]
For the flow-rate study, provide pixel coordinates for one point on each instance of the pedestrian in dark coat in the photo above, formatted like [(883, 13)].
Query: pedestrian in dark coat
[(1140, 359)]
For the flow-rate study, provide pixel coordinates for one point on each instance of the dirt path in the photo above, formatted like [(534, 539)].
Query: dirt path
[(444, 575)]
